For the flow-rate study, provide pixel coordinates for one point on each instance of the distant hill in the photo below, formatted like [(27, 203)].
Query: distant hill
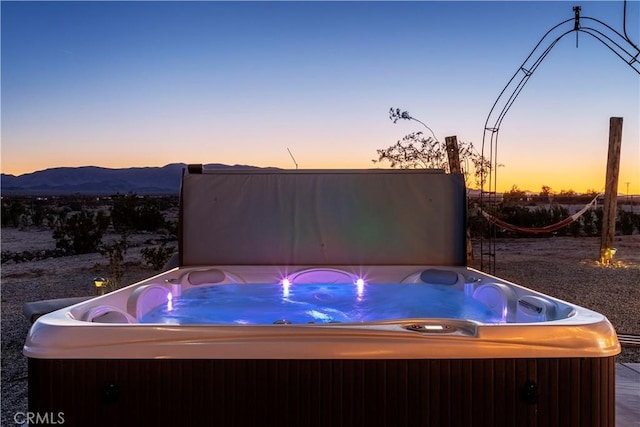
[(93, 180)]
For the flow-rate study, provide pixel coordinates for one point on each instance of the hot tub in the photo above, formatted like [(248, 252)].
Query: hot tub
[(327, 342)]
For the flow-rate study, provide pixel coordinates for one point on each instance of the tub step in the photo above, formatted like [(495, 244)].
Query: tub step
[(629, 340)]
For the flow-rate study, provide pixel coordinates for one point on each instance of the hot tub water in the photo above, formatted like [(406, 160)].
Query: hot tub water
[(264, 304)]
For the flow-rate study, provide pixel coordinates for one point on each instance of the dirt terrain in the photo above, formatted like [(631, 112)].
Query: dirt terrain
[(564, 267)]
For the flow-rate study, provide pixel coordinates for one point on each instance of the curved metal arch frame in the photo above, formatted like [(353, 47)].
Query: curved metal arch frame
[(490, 135)]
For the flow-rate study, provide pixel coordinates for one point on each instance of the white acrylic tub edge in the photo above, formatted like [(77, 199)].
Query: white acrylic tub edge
[(63, 334)]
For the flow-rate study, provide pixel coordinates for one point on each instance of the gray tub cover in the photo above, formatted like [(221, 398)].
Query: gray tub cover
[(322, 217)]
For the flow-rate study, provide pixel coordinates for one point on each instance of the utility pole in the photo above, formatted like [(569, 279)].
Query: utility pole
[(628, 199), (611, 191)]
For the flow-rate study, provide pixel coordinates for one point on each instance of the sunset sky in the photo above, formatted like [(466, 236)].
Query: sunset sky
[(121, 84)]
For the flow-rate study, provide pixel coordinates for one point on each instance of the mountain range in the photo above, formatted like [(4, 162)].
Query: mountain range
[(94, 180)]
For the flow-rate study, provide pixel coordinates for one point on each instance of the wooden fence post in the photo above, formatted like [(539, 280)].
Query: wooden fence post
[(611, 191), (453, 153)]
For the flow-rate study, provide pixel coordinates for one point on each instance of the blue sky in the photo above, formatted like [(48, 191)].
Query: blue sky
[(120, 84)]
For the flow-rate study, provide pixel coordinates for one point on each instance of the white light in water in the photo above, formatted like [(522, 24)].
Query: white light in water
[(434, 327), (285, 288), (360, 287), (169, 301)]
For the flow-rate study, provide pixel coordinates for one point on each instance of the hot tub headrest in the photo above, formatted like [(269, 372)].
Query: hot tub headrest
[(439, 277), (206, 277)]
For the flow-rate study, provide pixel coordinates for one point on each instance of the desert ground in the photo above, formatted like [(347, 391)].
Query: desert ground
[(564, 267)]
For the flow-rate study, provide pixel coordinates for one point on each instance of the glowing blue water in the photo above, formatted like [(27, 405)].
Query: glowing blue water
[(260, 304)]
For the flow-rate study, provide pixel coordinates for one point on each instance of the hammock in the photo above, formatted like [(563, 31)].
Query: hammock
[(539, 230)]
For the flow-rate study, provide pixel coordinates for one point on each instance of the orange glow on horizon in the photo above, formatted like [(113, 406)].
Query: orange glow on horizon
[(569, 180)]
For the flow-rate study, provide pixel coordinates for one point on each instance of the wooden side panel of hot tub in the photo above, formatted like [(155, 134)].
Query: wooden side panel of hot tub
[(470, 392)]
